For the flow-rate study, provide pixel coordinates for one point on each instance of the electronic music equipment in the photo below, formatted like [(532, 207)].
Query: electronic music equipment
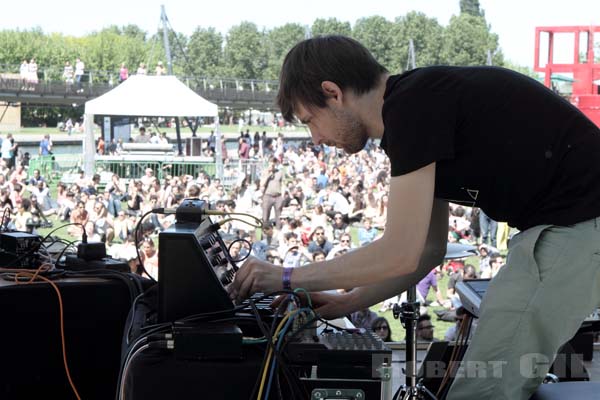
[(471, 293), (194, 271), (435, 365), (16, 250), (95, 310), (357, 354)]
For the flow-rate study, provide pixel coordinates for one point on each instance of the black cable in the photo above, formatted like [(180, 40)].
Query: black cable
[(136, 241), (239, 260), (4, 225), (156, 327), (141, 340), (37, 246), (63, 252), (128, 333), (304, 326), (339, 328), (129, 279), (283, 365), (202, 316), (280, 308)]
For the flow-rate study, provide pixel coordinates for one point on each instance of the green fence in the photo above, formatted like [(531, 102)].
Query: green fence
[(58, 166), (135, 169), (52, 167)]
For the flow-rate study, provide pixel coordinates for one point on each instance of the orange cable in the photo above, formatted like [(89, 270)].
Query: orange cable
[(33, 277)]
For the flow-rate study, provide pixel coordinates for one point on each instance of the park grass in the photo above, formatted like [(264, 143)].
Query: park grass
[(440, 327)]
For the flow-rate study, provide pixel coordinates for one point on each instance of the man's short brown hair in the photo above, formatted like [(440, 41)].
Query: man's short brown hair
[(334, 58)]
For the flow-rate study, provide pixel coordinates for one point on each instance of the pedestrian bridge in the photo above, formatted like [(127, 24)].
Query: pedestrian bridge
[(232, 93)]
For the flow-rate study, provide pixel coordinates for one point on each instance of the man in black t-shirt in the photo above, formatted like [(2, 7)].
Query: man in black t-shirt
[(536, 169)]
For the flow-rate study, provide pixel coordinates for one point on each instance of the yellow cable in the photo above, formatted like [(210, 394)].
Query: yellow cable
[(226, 220), (223, 213), (274, 339), (264, 375)]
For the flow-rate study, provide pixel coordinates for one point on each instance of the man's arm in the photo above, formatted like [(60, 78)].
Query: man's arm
[(439, 295), (433, 255), (395, 256)]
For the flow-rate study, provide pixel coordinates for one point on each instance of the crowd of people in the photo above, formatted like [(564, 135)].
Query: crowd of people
[(315, 203)]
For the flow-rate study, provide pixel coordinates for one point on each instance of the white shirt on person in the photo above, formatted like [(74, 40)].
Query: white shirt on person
[(338, 202)]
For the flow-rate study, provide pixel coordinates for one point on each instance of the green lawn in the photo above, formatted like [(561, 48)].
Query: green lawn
[(398, 332)]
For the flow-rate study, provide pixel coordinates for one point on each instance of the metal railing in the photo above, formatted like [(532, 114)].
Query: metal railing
[(136, 169), (110, 79), (53, 167)]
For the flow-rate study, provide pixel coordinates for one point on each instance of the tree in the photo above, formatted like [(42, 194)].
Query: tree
[(426, 34), (244, 53), (178, 44), (523, 70), (134, 32), (279, 41), (375, 33), (330, 26), (471, 7), (205, 52), (104, 51), (467, 40)]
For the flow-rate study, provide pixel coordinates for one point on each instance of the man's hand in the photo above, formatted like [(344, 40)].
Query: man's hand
[(328, 305), (255, 276)]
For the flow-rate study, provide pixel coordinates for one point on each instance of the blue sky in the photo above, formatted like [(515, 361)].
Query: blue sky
[(513, 20)]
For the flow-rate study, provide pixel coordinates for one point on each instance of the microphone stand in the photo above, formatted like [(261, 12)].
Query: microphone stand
[(409, 313)]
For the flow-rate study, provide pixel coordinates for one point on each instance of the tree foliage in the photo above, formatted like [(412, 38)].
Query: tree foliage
[(467, 40), (205, 52), (376, 33), (426, 34), (330, 26), (278, 42), (247, 52), (244, 53), (471, 7)]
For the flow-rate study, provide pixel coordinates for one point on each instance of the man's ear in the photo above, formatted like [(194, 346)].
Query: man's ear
[(332, 91)]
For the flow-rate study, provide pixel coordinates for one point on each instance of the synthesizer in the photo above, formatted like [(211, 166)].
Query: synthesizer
[(194, 271)]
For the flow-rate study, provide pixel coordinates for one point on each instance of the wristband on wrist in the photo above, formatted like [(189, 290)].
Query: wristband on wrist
[(286, 279)]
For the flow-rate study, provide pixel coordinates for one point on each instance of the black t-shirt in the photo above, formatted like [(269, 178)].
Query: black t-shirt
[(501, 141), (454, 279)]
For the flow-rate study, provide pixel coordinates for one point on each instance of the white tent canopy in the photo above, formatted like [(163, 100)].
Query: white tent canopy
[(152, 96), (144, 96)]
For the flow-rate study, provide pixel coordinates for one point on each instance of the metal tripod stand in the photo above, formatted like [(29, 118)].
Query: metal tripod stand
[(408, 313)]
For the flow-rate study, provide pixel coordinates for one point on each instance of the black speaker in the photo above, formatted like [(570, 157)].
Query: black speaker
[(31, 365)]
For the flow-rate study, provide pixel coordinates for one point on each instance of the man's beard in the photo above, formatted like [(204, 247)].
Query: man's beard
[(352, 130)]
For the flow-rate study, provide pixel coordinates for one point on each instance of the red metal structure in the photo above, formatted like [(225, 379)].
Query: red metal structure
[(585, 69)]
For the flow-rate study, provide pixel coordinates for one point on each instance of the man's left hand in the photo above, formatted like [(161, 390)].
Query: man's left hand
[(255, 276)]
